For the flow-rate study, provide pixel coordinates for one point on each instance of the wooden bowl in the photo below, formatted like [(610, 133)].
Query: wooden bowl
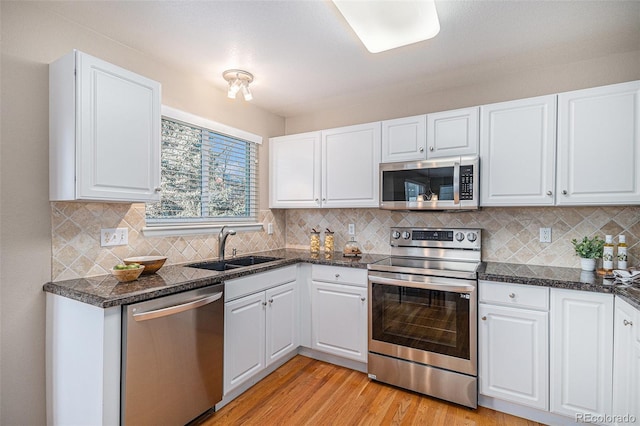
[(126, 275), (151, 263)]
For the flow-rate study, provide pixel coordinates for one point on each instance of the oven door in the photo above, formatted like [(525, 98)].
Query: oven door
[(429, 320)]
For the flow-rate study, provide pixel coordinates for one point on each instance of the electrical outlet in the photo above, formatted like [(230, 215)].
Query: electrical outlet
[(352, 229), (114, 237), (270, 228), (545, 235)]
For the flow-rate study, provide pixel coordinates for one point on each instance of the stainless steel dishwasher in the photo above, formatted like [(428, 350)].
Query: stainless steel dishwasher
[(172, 357)]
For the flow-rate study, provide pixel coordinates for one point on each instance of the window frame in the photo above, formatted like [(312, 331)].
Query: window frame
[(166, 227)]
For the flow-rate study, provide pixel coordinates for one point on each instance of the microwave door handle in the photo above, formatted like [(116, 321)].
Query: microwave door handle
[(456, 183)]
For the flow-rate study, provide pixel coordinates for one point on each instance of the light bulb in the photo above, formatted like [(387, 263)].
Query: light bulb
[(246, 92)]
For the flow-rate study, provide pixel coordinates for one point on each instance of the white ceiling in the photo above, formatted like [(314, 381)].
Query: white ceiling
[(305, 56)]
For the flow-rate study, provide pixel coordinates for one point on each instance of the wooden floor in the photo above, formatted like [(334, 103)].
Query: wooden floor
[(309, 392)]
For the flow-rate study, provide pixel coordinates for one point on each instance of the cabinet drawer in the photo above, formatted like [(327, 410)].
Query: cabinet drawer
[(253, 283), (517, 295), (341, 275)]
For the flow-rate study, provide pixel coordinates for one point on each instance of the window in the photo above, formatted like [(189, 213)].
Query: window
[(208, 173)]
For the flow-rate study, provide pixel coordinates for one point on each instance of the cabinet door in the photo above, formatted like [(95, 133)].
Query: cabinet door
[(517, 148), (294, 171), (244, 339), (581, 356), (599, 145), (514, 355), (624, 396), (118, 133), (281, 321), (634, 398), (452, 133), (404, 139), (350, 165), (339, 320)]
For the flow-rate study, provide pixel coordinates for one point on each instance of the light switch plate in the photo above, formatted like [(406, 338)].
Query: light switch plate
[(114, 237)]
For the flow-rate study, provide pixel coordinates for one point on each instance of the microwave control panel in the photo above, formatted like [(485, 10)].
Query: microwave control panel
[(466, 182)]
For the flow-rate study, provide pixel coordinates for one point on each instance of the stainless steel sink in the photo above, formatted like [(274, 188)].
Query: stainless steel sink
[(233, 263)]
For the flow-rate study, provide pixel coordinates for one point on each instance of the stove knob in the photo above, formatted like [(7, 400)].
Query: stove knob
[(459, 236), (472, 236), (406, 235), (395, 235)]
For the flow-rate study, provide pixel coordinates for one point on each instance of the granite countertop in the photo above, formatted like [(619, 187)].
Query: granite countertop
[(105, 291), (558, 277)]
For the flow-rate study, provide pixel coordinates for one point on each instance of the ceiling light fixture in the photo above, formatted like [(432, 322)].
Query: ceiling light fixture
[(385, 25), (238, 80)]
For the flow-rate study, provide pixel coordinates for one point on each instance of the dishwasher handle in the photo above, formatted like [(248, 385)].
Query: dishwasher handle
[(176, 309)]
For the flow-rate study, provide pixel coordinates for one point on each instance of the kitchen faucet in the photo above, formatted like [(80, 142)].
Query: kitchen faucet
[(222, 240)]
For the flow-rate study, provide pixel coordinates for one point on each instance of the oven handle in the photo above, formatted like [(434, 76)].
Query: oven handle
[(454, 288)]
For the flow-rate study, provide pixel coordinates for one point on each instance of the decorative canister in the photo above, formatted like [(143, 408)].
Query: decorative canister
[(314, 241), (329, 242)]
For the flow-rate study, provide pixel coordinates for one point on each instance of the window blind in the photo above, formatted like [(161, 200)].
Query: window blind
[(205, 176)]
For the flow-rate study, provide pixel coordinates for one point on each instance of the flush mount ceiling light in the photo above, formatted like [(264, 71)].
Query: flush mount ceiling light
[(238, 81), (383, 25)]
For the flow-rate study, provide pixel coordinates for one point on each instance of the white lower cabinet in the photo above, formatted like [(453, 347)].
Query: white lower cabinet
[(259, 328), (514, 343), (581, 362), (339, 311), (626, 363)]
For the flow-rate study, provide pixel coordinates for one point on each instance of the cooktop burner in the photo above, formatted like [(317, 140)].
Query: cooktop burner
[(422, 266)]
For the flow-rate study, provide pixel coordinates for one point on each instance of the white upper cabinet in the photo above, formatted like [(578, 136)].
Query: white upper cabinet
[(599, 145), (350, 168), (452, 133), (404, 139), (295, 170), (104, 130), (517, 148), (332, 168)]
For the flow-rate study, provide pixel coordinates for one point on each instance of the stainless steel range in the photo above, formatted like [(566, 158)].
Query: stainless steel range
[(422, 313)]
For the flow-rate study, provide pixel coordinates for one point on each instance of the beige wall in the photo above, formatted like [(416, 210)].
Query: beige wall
[(31, 39), (615, 68)]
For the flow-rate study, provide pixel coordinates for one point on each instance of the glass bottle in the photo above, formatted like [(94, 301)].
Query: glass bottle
[(622, 252), (314, 241), (329, 242), (607, 254)]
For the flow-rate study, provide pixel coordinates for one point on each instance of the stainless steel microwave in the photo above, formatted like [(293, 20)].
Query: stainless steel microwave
[(442, 184)]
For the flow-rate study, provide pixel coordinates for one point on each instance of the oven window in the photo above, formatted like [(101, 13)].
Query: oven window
[(429, 320)]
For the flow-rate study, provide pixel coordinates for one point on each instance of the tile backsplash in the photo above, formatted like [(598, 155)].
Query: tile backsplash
[(76, 246), (509, 234)]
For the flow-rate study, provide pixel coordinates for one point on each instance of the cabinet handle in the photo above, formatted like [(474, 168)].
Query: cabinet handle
[(421, 149), (512, 295), (270, 301), (317, 200), (484, 318), (337, 275), (430, 148), (363, 298), (625, 322), (324, 199), (549, 193), (158, 189), (264, 303), (564, 192)]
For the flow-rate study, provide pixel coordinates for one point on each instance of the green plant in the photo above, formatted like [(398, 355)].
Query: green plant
[(588, 248)]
